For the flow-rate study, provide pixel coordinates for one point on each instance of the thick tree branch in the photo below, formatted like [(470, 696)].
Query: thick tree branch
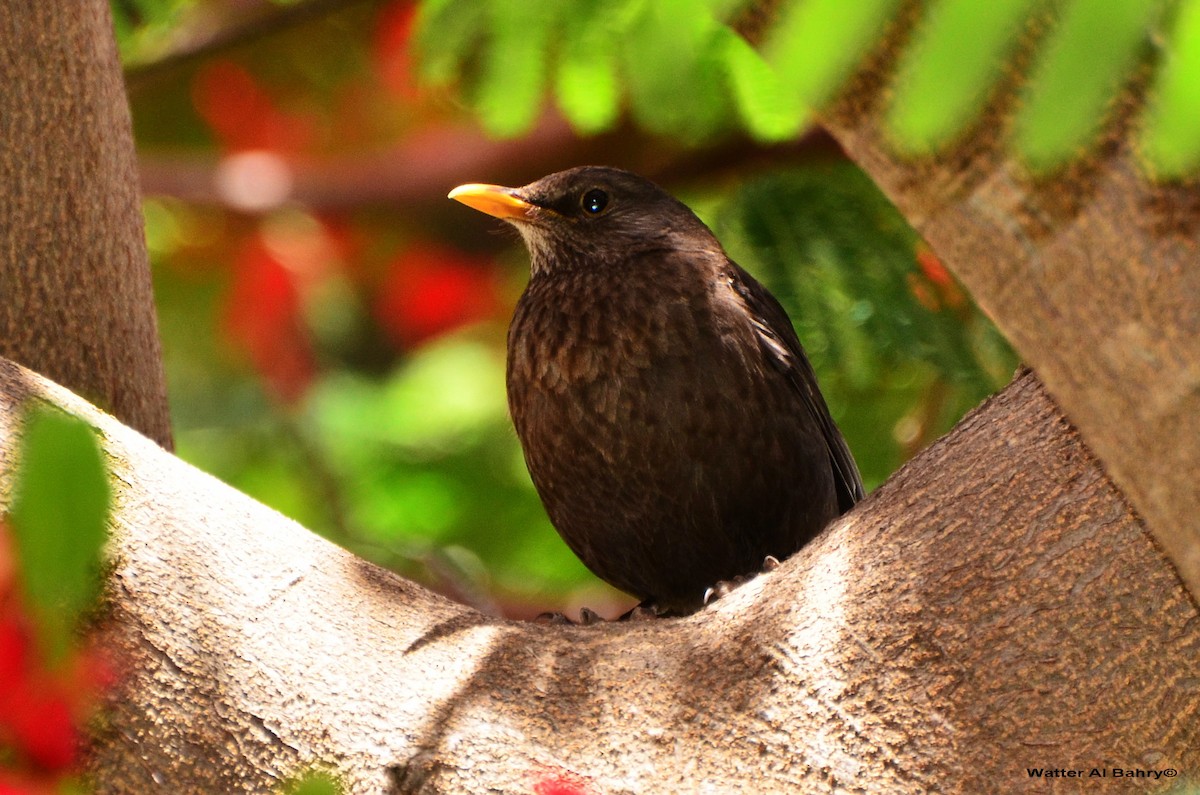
[(1091, 275), (995, 606)]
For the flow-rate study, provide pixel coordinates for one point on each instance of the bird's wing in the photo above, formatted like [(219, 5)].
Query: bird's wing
[(779, 340)]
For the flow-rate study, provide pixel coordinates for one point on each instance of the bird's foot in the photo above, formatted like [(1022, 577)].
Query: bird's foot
[(723, 587), (644, 611), (587, 617)]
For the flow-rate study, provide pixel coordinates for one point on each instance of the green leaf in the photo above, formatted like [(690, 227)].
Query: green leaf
[(123, 21), (445, 33), (58, 518), (960, 50), (673, 66), (1077, 75), (586, 86), (818, 43), (769, 111), (1170, 143), (512, 81), (143, 27)]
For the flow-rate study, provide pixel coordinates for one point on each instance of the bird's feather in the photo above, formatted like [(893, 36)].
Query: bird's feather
[(782, 346)]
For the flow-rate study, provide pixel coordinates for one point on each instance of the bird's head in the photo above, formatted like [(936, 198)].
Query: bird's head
[(588, 216)]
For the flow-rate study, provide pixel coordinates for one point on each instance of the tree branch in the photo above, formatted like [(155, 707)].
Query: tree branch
[(1091, 275), (912, 647)]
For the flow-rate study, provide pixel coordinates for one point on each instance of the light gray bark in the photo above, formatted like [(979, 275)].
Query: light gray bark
[(995, 606)]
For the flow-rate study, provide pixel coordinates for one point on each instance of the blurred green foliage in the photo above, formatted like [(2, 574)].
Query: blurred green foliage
[(143, 26), (58, 520), (1170, 142), (675, 68), (817, 44), (501, 54), (429, 460), (598, 60), (899, 350), (959, 51), (1078, 72)]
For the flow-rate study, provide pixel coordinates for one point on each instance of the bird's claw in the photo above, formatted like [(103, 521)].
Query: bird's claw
[(723, 587), (642, 612), (587, 617)]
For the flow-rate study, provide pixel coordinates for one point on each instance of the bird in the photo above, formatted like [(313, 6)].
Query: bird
[(670, 420)]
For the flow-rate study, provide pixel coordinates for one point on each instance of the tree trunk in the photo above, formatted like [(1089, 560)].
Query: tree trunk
[(994, 607), (1092, 275), (75, 296)]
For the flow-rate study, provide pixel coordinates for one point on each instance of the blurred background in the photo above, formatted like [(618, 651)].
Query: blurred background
[(333, 326)]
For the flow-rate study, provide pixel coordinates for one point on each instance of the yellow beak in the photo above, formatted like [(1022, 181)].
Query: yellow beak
[(494, 200)]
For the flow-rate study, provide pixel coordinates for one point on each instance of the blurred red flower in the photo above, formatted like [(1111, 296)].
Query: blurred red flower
[(933, 286), (42, 706), (243, 115), (429, 290), (263, 318), (393, 49)]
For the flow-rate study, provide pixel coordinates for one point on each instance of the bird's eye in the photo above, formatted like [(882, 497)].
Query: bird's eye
[(594, 201)]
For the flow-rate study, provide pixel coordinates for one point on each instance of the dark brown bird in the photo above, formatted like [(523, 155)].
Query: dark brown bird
[(670, 420)]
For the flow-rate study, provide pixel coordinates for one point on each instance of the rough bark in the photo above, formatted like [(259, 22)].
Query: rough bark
[(995, 606), (1092, 275), (75, 297)]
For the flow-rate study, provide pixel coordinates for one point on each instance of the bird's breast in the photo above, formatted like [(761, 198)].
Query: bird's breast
[(568, 336), (638, 370)]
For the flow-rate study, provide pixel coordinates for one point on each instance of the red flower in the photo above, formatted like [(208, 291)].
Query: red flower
[(41, 726), (429, 290), (35, 706), (243, 115), (263, 318), (393, 49), (938, 289), (14, 647), (25, 785), (42, 707)]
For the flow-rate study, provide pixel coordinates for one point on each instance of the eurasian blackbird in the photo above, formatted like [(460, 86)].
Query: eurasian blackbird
[(670, 420)]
